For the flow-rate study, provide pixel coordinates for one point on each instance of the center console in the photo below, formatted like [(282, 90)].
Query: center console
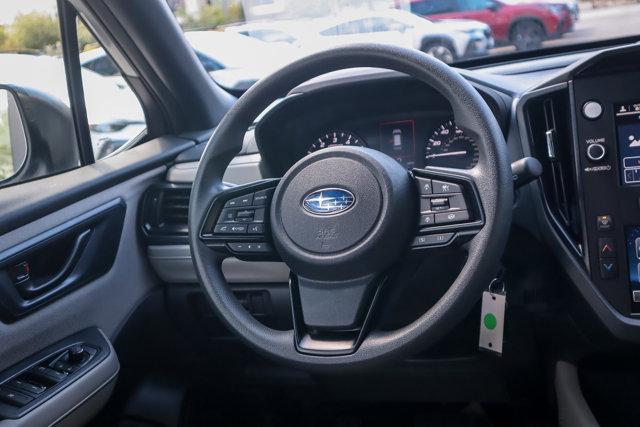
[(607, 137)]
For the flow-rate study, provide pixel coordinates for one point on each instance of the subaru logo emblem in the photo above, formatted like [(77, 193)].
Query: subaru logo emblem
[(328, 201)]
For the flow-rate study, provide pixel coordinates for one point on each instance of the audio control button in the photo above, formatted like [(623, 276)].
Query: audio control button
[(592, 110), (596, 152)]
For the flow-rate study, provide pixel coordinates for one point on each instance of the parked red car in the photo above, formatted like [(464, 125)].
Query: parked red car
[(523, 24)]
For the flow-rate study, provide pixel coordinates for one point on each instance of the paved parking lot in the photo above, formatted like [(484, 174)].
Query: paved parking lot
[(596, 24)]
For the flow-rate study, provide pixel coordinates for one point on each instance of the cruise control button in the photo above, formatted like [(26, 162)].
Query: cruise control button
[(13, 397), (255, 229), (439, 203), (240, 201), (424, 186), (450, 217), (258, 216), (432, 239), (456, 201), (608, 268), (425, 205), (427, 219), (441, 187), (260, 198)]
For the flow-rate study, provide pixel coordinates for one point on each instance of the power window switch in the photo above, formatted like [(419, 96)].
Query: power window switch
[(47, 374), (13, 397), (25, 386)]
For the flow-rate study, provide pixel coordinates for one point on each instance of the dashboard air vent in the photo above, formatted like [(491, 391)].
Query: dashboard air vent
[(549, 125), (165, 211)]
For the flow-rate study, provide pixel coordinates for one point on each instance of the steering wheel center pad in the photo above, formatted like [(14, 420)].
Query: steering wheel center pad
[(361, 231)]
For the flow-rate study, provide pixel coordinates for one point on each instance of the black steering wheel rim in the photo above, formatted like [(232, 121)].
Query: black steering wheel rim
[(492, 176)]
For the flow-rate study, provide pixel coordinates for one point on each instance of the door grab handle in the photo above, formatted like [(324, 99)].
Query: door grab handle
[(33, 288)]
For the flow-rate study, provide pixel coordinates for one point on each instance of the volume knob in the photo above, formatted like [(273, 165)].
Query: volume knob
[(596, 152)]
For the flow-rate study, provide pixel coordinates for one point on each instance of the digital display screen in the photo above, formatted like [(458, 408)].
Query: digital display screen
[(628, 129), (633, 258), (398, 140)]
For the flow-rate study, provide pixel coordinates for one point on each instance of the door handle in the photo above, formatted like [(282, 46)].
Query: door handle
[(35, 287)]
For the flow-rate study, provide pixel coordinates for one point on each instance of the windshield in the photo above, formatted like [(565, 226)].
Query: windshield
[(240, 41), (450, 30)]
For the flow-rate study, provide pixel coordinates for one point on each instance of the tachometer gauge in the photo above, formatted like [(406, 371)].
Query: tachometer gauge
[(449, 147), (335, 137)]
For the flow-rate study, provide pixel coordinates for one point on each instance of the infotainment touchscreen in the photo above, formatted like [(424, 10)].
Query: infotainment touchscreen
[(628, 130)]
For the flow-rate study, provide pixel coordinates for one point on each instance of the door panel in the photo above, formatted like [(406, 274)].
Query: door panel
[(60, 260), (105, 302)]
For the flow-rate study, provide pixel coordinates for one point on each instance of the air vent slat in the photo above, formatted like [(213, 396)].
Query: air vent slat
[(167, 211), (551, 134)]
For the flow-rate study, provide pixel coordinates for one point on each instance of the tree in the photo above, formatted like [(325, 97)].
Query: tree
[(35, 30)]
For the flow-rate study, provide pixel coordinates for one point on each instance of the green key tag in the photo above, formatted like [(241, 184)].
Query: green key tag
[(492, 321)]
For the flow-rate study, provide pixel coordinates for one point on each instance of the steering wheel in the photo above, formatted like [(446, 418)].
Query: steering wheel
[(343, 217)]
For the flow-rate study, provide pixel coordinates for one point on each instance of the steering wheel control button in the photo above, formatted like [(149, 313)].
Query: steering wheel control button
[(604, 222), (592, 110), (255, 229), (261, 198), (606, 247), (596, 152), (456, 201), (440, 204), (238, 202), (230, 229), (259, 247), (425, 186), (14, 398), (451, 217), (432, 240), (426, 220), (441, 187), (608, 268)]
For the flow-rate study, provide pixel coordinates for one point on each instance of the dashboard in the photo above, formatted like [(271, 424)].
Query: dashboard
[(407, 121), (578, 115)]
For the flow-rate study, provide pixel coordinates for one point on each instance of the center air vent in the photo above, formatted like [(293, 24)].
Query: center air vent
[(165, 211), (549, 124)]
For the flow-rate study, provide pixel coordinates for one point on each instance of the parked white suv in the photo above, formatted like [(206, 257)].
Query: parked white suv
[(447, 40)]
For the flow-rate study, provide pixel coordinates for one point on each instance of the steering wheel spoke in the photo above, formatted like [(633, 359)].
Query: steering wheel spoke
[(237, 223), (331, 317), (449, 205)]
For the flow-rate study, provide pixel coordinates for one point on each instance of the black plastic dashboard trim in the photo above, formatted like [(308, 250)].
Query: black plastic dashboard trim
[(620, 326)]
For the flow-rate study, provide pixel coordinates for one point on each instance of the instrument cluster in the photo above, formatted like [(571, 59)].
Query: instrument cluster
[(410, 143)]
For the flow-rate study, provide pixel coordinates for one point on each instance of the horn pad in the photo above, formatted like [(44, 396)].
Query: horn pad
[(341, 206)]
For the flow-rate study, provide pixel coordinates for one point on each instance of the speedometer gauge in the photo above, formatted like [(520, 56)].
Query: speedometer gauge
[(334, 138), (449, 147)]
